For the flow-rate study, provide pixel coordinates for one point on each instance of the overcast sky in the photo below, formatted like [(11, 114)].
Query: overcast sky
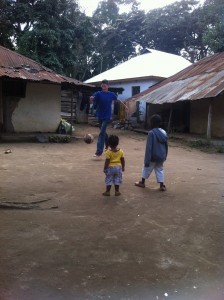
[(90, 5)]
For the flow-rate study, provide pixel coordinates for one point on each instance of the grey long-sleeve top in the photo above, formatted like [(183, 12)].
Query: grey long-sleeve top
[(156, 146)]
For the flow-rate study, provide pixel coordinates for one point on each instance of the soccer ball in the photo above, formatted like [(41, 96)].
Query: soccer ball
[(88, 138)]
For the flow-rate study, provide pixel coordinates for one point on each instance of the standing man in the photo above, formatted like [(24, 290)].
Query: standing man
[(103, 102)]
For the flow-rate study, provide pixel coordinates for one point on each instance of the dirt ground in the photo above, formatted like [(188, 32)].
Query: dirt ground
[(73, 243)]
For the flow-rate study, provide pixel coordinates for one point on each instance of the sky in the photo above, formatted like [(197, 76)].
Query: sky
[(90, 5)]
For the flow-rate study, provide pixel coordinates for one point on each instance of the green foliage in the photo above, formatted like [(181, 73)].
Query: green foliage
[(6, 28), (206, 146), (214, 35), (177, 29), (220, 149), (53, 32), (106, 13), (115, 34), (57, 34), (200, 143)]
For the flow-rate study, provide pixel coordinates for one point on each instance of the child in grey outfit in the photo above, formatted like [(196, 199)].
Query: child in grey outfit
[(155, 153)]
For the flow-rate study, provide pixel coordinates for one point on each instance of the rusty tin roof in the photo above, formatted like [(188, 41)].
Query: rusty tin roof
[(203, 79), (17, 66)]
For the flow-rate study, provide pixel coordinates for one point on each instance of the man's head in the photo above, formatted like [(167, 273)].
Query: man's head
[(155, 121), (104, 85)]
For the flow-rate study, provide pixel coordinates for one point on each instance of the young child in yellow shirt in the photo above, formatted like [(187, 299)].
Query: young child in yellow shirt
[(114, 166)]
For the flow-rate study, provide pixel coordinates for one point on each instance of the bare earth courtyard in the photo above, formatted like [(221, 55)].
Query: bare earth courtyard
[(70, 242)]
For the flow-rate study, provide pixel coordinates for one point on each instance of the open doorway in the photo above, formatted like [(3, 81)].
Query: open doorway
[(179, 118)]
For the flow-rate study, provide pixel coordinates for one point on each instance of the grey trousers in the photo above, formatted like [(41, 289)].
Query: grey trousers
[(157, 167)]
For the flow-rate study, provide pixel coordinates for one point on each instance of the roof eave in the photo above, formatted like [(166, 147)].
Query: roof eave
[(112, 81)]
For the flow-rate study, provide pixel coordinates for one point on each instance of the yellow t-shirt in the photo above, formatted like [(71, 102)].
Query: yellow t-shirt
[(114, 157)]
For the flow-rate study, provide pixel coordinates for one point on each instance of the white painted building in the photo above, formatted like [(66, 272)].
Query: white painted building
[(32, 112), (141, 72)]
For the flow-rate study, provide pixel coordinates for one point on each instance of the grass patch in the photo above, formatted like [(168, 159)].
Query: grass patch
[(174, 138), (202, 145), (220, 149), (206, 146)]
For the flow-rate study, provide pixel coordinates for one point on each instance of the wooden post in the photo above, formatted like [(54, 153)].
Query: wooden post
[(146, 114), (170, 119), (71, 112), (209, 126), (1, 109)]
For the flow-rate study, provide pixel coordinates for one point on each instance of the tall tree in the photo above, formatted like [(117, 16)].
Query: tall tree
[(57, 34), (175, 28), (6, 28), (214, 35), (53, 32), (113, 44), (60, 37)]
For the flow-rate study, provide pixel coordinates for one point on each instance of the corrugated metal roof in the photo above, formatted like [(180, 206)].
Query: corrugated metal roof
[(152, 64), (203, 79), (17, 66)]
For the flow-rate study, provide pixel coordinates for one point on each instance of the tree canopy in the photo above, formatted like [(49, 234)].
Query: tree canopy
[(59, 35)]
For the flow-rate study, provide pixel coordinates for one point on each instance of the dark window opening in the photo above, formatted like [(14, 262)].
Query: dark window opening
[(135, 90), (14, 89)]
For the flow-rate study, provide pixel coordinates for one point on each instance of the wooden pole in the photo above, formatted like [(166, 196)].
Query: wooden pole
[(146, 114), (209, 126), (170, 119), (71, 112)]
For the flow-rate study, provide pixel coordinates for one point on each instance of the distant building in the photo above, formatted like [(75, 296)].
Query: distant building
[(30, 94), (141, 72), (191, 100)]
